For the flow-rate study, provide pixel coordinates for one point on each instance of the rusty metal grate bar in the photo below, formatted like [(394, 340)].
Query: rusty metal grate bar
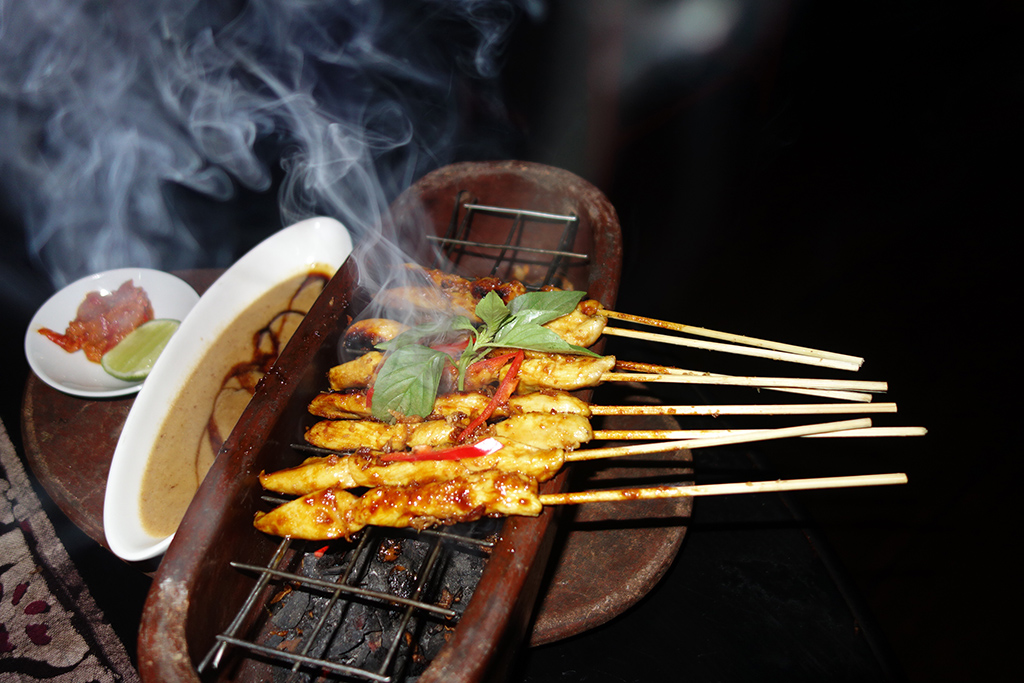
[(455, 241)]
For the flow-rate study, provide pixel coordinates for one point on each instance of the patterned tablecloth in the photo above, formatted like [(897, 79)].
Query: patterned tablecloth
[(50, 626)]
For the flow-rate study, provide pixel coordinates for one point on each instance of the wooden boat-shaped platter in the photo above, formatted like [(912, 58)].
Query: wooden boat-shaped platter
[(202, 586)]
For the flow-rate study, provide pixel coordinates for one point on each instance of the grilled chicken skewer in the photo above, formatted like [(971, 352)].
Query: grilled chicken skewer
[(335, 513), (457, 295), (503, 454), (583, 327), (442, 292), (566, 372)]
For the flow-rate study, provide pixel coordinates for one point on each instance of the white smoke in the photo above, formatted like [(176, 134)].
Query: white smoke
[(109, 107)]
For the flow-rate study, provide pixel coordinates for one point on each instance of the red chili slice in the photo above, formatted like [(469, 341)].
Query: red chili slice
[(473, 450), (493, 364), (505, 389)]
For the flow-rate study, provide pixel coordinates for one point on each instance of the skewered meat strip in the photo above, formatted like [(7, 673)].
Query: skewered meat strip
[(419, 298), (355, 373), (353, 405), (367, 469), (537, 430), (336, 513), (367, 333), (462, 289), (349, 405), (447, 293), (547, 401), (539, 371), (560, 371), (540, 430), (350, 435), (582, 327), (454, 293)]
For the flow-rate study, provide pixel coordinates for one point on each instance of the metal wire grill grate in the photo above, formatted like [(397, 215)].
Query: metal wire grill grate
[(381, 609), (374, 611), (456, 243)]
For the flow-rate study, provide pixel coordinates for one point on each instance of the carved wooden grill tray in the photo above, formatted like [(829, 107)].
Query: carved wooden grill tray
[(214, 604)]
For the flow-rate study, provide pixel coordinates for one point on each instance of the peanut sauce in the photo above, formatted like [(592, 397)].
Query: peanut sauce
[(214, 397)]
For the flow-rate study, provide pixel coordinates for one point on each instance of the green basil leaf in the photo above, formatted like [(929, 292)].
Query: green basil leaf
[(407, 382), (492, 310), (543, 307), (461, 322), (533, 337)]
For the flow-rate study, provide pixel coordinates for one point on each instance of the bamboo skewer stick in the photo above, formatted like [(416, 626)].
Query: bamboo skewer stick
[(744, 409), (669, 434), (690, 444), (838, 395), (736, 338), (632, 366), (766, 382), (654, 492), (757, 352)]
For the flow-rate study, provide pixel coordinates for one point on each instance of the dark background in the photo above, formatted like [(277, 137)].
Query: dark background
[(837, 175), (844, 178)]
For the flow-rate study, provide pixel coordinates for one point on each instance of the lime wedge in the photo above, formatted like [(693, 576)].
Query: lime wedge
[(133, 358)]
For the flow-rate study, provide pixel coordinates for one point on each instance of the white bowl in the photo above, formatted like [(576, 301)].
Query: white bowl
[(280, 257), (71, 372)]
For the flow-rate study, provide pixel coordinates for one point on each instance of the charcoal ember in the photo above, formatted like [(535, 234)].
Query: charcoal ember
[(289, 609), (447, 598), (356, 639), (390, 550)]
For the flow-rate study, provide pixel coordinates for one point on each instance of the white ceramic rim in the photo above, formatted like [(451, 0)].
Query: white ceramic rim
[(71, 373), (285, 254)]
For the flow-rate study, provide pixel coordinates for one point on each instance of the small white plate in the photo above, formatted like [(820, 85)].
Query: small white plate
[(284, 255), (71, 372)]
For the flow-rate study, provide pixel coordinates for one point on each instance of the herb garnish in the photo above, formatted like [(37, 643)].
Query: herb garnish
[(407, 382), (409, 377)]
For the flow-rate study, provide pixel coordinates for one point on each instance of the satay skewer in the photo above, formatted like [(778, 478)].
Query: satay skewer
[(777, 485), (510, 455), (335, 513), (538, 430), (459, 291), (572, 372)]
